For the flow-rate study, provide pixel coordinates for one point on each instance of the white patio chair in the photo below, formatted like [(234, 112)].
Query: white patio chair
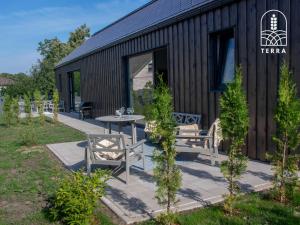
[(110, 150), (61, 106), (199, 141)]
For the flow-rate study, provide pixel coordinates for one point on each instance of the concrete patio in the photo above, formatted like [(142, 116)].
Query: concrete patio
[(202, 184)]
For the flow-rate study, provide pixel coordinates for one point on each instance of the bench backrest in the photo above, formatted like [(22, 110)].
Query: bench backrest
[(186, 118)]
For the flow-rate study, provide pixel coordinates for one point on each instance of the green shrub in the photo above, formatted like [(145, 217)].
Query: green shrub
[(285, 161), (40, 106), (27, 108), (28, 136), (55, 105), (76, 199), (234, 118), (15, 109), (7, 110), (166, 173)]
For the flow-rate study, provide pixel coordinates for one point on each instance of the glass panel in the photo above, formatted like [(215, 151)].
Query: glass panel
[(141, 79), (76, 90), (228, 72)]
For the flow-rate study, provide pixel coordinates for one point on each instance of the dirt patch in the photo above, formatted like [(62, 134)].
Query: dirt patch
[(27, 150), (16, 209)]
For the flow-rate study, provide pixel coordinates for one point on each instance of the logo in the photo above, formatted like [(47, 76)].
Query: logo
[(273, 39)]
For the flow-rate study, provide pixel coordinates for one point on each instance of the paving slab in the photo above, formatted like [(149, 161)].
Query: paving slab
[(202, 184)]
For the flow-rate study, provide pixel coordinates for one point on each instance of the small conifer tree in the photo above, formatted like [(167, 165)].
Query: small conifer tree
[(15, 109), (284, 159), (7, 110), (39, 103), (234, 122), (27, 108), (55, 105), (166, 174)]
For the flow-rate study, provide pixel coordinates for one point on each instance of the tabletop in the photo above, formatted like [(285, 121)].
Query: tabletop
[(118, 119)]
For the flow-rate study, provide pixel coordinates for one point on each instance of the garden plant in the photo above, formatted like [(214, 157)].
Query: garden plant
[(234, 118), (166, 173), (40, 106), (27, 108), (55, 105), (285, 160), (75, 201), (7, 110)]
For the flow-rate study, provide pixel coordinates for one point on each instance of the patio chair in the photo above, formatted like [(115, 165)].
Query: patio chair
[(110, 150), (61, 106), (199, 141)]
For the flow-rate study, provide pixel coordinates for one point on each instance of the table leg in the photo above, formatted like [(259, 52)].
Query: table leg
[(133, 130), (109, 127), (120, 128)]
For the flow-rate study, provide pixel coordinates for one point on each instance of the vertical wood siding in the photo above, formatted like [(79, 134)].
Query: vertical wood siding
[(187, 41)]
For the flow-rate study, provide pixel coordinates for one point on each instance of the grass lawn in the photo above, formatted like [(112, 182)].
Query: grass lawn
[(252, 209), (29, 175)]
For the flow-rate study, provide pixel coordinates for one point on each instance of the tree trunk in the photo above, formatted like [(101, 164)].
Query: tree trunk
[(282, 182)]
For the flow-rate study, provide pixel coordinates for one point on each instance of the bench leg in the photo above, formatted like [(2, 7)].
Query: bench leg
[(143, 155), (216, 151), (212, 157), (87, 162), (127, 172)]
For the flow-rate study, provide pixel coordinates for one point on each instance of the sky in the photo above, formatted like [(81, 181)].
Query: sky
[(24, 23)]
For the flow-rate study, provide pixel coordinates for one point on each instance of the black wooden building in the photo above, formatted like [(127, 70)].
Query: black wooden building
[(195, 44)]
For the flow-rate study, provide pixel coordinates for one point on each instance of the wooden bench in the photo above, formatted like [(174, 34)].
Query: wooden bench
[(180, 118)]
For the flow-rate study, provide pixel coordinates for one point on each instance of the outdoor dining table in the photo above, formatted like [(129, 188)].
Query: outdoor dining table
[(120, 120)]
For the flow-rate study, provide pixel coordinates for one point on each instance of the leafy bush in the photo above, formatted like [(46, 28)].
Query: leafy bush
[(75, 201)]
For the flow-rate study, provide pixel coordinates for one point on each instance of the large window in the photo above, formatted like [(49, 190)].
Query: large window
[(222, 59), (141, 78), (142, 72)]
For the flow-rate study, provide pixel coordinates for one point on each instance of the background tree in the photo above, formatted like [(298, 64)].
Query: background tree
[(234, 118), (52, 51), (40, 106), (166, 173), (284, 160), (55, 105), (23, 84), (78, 37)]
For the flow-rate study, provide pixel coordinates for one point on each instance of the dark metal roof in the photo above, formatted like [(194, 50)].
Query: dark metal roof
[(154, 12)]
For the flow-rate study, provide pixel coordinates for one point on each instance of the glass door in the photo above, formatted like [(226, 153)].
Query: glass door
[(74, 91)]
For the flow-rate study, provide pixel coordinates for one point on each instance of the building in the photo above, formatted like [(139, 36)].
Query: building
[(5, 82), (195, 44)]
